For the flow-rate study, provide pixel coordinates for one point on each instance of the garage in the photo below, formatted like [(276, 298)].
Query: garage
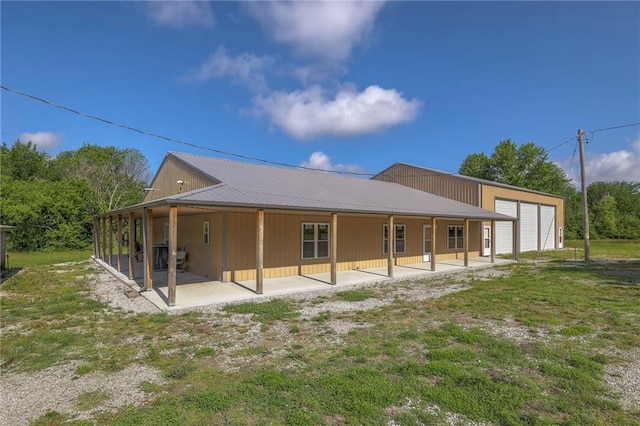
[(547, 227), (504, 230), (528, 227)]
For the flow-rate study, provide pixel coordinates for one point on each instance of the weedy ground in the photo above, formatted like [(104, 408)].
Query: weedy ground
[(527, 343)]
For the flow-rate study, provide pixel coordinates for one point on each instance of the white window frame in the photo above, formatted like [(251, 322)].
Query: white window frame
[(385, 242), (316, 240), (166, 232), (455, 237), (206, 232)]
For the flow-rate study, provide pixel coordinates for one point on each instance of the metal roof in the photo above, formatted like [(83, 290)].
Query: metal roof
[(269, 187), (468, 178)]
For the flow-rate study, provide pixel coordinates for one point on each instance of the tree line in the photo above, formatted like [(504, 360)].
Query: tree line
[(52, 200)]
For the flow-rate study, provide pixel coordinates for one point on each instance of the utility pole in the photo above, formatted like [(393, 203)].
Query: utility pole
[(585, 207)]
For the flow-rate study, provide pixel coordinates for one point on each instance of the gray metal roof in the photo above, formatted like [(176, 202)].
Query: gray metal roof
[(469, 178), (261, 186)]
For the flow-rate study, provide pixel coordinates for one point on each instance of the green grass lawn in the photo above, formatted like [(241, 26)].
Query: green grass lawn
[(413, 361), (45, 258)]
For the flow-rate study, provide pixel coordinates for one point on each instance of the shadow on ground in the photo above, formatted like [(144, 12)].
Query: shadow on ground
[(615, 272)]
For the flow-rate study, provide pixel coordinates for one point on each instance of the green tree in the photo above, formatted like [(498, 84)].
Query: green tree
[(614, 209), (23, 161), (115, 177), (526, 166)]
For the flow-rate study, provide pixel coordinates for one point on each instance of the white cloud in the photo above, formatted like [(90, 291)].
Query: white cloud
[(44, 140), (320, 29), (180, 13), (320, 160), (245, 68), (310, 113), (621, 165)]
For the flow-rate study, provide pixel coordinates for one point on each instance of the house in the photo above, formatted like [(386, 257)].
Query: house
[(540, 215), (240, 221)]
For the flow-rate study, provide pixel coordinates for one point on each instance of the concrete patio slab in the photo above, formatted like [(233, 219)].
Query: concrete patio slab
[(194, 290)]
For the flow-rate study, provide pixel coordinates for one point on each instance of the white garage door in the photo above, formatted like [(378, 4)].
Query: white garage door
[(504, 230), (547, 227), (528, 227)]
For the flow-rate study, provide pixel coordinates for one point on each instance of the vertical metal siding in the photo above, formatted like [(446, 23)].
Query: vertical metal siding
[(165, 182), (437, 183)]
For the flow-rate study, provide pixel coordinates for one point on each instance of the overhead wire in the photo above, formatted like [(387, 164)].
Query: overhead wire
[(248, 157)]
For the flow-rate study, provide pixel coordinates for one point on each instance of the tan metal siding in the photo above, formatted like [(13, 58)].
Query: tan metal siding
[(490, 193), (172, 170), (201, 259), (433, 182), (359, 244)]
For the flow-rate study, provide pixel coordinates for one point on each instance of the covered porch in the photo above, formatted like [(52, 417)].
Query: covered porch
[(193, 290)]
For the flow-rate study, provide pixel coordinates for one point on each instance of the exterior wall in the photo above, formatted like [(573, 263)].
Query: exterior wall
[(433, 182), (3, 242), (172, 170), (359, 244), (202, 259), (490, 193)]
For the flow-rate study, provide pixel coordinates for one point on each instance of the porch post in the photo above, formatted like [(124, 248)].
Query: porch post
[(104, 239), (173, 248), (514, 252), (466, 242), (110, 240), (493, 239), (259, 251), (120, 262), (96, 239), (433, 244), (334, 248), (132, 245), (390, 246), (147, 236)]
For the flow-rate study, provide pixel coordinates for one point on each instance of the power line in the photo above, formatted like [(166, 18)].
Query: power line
[(169, 139), (560, 144), (247, 157), (614, 127)]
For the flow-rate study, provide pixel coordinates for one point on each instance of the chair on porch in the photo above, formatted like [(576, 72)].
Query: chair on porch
[(181, 260)]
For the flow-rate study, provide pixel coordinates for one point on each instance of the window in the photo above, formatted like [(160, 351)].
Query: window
[(399, 237), (166, 232), (456, 237), (205, 232), (315, 240)]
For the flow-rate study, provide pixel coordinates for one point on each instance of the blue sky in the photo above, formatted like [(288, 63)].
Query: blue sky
[(338, 85)]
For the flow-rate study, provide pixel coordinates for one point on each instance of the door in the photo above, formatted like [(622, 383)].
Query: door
[(560, 238), (547, 227), (486, 241), (504, 230), (426, 243), (528, 227)]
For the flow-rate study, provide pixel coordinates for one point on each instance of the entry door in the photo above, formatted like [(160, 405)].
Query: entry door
[(426, 246), (486, 241), (560, 238)]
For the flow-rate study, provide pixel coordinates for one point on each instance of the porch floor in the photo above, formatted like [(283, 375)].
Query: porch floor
[(195, 290)]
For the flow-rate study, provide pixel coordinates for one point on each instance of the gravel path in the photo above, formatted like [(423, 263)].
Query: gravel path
[(108, 289), (27, 396)]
